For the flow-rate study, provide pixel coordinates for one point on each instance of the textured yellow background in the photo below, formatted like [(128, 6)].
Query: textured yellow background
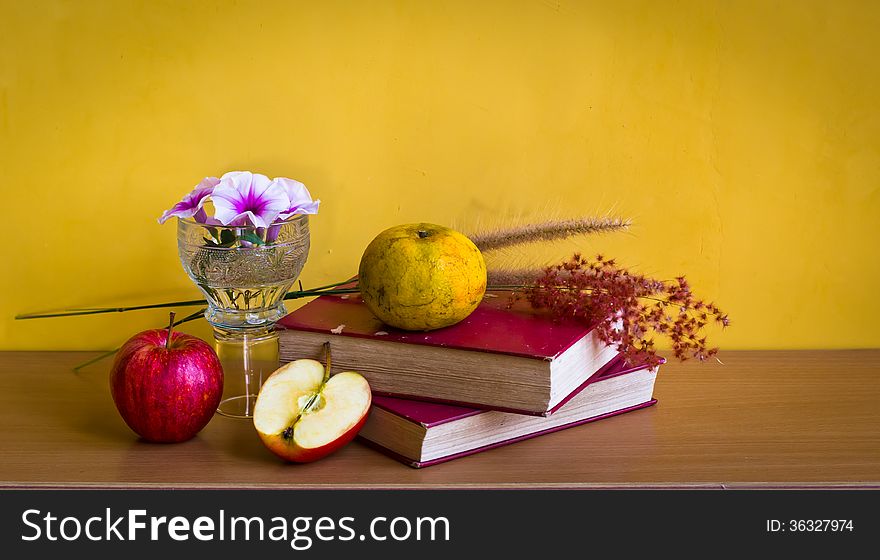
[(742, 138)]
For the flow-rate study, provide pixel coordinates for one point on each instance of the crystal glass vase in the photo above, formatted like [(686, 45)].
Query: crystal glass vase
[(244, 273)]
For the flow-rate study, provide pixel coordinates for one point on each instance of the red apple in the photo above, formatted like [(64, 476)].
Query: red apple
[(166, 390), (302, 414)]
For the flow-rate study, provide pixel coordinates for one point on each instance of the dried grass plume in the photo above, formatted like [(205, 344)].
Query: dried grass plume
[(551, 230)]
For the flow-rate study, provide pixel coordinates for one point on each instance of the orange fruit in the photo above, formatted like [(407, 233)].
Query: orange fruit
[(420, 277)]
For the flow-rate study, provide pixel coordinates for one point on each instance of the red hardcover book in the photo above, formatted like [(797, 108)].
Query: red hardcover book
[(421, 434), (500, 357)]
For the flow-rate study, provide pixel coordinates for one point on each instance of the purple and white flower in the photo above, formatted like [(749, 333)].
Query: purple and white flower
[(243, 198), (192, 205)]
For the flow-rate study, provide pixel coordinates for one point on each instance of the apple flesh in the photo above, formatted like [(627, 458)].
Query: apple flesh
[(166, 391), (301, 417)]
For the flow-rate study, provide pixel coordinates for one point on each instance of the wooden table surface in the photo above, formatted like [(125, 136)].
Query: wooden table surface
[(781, 418)]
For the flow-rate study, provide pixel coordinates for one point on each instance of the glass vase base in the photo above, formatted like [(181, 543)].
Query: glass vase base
[(240, 406), (240, 319)]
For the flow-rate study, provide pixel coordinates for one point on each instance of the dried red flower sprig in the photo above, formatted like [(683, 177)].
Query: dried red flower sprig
[(632, 308)]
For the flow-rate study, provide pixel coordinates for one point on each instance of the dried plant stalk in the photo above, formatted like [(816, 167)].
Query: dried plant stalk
[(514, 276), (545, 231)]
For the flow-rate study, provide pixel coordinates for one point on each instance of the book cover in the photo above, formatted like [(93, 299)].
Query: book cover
[(421, 464), (431, 415), (495, 326)]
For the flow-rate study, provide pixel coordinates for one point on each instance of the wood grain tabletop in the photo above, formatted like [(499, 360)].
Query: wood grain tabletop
[(763, 419)]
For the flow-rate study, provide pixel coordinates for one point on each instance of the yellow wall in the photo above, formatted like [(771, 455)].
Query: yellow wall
[(742, 138)]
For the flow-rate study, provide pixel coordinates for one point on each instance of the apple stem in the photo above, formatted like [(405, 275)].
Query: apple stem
[(327, 361), (170, 326), (308, 407)]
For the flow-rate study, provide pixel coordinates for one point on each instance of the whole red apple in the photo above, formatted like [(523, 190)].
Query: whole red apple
[(166, 385)]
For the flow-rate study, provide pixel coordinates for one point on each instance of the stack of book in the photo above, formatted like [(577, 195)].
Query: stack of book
[(504, 374)]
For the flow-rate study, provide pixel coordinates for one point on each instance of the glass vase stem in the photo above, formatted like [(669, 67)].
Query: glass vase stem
[(248, 357)]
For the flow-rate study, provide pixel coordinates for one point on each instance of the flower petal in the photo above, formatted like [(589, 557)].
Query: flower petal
[(295, 190), (180, 210), (260, 182), (207, 182), (300, 199), (193, 202), (306, 208)]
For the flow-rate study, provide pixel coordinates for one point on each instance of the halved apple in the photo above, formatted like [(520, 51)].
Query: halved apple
[(302, 414)]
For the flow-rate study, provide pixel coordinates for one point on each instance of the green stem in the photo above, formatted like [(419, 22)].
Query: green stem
[(310, 293), (322, 290), (96, 359), (99, 310), (319, 288), (319, 291), (109, 353)]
